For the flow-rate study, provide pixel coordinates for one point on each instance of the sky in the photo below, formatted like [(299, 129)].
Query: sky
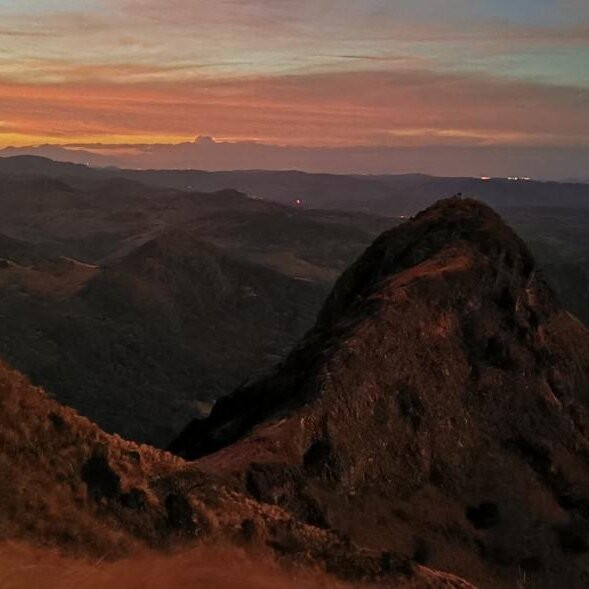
[(297, 73)]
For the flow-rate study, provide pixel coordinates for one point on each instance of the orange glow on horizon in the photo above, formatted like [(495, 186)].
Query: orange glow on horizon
[(26, 140), (345, 109)]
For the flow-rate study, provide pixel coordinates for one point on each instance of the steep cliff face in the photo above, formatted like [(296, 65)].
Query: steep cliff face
[(438, 409)]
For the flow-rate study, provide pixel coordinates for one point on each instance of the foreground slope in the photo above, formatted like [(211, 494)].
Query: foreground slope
[(438, 409), (66, 484)]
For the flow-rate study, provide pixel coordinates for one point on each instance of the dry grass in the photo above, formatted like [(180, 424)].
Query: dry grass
[(45, 502), (43, 449), (25, 567), (59, 278)]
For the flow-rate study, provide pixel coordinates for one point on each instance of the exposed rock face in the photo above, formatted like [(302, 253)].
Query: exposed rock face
[(437, 410)]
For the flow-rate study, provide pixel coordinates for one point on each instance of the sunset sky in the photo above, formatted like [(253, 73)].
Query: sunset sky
[(336, 73)]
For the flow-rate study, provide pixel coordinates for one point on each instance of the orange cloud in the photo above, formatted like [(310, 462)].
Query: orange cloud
[(335, 109)]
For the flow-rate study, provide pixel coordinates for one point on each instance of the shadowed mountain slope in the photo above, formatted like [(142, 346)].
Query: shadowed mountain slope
[(125, 301), (438, 409), (136, 345)]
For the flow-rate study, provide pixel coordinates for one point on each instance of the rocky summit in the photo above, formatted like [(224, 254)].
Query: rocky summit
[(437, 411)]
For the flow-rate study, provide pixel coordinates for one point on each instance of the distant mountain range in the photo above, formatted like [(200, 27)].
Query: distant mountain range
[(382, 194), (553, 217), (206, 153)]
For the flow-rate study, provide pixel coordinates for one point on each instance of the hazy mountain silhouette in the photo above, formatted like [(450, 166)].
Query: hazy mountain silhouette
[(206, 153)]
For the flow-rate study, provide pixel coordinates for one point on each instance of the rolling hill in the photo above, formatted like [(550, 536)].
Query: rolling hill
[(126, 301)]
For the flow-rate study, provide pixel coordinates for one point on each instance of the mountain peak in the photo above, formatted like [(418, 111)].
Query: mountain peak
[(452, 231), (440, 389), (457, 260)]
